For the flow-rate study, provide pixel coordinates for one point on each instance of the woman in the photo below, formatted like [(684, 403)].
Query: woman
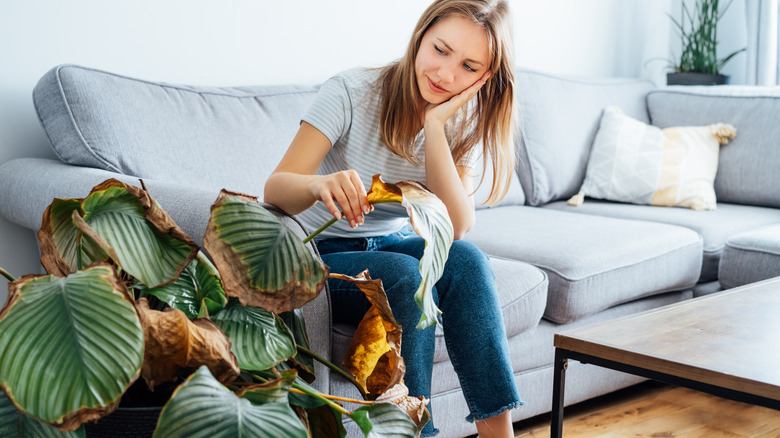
[(421, 118)]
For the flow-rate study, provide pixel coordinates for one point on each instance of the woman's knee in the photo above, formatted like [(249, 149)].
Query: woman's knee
[(466, 258)]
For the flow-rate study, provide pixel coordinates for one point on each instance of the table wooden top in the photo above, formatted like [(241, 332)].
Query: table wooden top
[(730, 339)]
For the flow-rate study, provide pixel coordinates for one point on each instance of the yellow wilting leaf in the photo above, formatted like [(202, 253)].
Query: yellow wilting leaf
[(383, 192), (173, 342), (374, 355)]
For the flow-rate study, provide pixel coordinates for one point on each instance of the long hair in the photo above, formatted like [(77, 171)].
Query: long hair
[(490, 119)]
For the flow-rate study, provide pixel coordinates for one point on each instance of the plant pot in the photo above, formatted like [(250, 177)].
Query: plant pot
[(125, 422), (137, 413), (690, 78)]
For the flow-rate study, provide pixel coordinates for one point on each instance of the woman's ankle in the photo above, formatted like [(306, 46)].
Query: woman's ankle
[(499, 426)]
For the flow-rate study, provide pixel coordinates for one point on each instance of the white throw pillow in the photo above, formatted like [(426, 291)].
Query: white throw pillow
[(642, 164)]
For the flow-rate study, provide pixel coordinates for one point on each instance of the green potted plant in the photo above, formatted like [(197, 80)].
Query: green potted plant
[(698, 63), (130, 300)]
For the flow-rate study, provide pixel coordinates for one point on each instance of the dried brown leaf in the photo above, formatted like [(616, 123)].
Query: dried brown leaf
[(414, 406), (374, 355), (173, 342)]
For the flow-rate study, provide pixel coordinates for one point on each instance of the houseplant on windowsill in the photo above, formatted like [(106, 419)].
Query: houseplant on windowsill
[(698, 62), (131, 299)]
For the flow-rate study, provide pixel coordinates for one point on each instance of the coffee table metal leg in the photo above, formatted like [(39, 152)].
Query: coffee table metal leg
[(559, 383)]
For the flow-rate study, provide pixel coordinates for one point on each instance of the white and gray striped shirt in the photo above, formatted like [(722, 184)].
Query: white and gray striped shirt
[(347, 111)]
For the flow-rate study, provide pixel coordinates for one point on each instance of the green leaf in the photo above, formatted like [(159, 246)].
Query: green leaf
[(148, 245), (202, 407), (13, 423), (382, 420), (259, 338), (198, 285), (262, 262), (64, 246), (295, 322), (69, 344), (430, 221)]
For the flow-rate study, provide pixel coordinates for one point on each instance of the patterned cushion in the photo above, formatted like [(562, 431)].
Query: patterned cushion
[(634, 162), (747, 167)]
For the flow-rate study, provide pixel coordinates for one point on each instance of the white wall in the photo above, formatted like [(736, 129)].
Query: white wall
[(240, 42)]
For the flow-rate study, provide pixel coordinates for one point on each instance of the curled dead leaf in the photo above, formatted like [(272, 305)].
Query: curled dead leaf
[(414, 406), (173, 342), (374, 354)]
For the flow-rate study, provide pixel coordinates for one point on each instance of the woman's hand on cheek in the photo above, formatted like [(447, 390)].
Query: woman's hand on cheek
[(342, 192), (439, 114)]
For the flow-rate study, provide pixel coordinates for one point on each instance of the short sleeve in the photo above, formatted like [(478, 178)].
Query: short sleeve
[(331, 112)]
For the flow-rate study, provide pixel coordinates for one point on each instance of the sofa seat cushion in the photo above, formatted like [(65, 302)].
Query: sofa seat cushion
[(205, 137), (751, 256), (714, 226), (593, 262), (747, 169), (560, 118), (522, 295)]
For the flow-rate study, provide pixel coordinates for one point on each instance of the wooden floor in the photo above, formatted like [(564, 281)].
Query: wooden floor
[(656, 410)]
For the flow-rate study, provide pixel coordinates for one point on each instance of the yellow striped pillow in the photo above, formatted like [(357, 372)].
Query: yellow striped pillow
[(638, 163)]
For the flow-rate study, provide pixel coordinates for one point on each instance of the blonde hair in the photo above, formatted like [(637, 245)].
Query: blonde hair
[(490, 120)]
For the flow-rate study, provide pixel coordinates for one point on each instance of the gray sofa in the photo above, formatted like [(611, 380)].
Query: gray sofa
[(557, 266)]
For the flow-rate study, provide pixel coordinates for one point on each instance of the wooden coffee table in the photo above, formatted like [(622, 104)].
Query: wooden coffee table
[(727, 344)]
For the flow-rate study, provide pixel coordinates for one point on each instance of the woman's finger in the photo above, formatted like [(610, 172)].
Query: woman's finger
[(327, 200), (361, 192)]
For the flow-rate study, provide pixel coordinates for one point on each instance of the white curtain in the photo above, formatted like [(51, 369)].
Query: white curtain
[(763, 63)]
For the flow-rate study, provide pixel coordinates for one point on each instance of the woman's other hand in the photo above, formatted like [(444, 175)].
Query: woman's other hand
[(439, 114)]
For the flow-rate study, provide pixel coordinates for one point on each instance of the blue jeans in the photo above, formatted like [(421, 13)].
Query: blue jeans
[(471, 315)]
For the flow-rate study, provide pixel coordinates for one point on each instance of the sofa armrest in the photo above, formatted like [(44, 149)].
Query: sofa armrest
[(30, 184)]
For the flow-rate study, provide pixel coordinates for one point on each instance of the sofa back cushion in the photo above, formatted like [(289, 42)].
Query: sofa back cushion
[(205, 137), (560, 117), (747, 169)]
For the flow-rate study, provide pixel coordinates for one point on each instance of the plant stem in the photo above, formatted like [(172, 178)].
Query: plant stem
[(333, 221), (301, 390), (337, 398), (322, 398), (5, 274), (333, 367), (255, 376), (319, 230)]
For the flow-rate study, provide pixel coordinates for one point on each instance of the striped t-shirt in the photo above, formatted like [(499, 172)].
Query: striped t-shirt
[(347, 110)]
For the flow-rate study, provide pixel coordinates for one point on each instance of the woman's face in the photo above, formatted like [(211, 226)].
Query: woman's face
[(453, 55)]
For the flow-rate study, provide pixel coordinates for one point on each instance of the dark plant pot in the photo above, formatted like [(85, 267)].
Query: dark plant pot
[(689, 78), (136, 415), (125, 422)]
